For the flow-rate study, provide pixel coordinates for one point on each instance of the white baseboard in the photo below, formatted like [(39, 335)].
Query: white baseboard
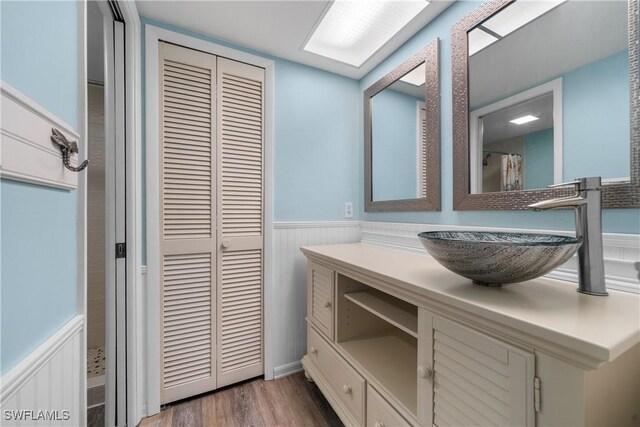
[(48, 379), (288, 369), (621, 251)]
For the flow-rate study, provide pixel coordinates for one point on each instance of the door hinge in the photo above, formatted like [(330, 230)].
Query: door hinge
[(121, 250), (536, 394)]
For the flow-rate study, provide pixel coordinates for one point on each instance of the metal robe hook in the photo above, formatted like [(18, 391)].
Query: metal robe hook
[(67, 148)]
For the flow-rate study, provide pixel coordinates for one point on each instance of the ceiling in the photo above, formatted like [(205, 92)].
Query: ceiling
[(277, 28), (496, 126), (572, 35)]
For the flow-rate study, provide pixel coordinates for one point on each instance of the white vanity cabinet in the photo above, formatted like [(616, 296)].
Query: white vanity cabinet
[(394, 339)]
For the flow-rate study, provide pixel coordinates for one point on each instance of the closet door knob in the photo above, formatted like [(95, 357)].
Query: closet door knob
[(327, 304), (314, 350), (346, 389), (424, 371), (226, 244), (378, 424)]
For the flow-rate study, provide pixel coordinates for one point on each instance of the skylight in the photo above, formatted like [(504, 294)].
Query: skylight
[(353, 30), (509, 19), (416, 76)]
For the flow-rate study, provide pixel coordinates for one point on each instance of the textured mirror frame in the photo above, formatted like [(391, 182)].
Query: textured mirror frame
[(430, 56), (614, 195)]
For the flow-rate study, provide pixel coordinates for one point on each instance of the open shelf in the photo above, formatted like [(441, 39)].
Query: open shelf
[(391, 360), (400, 314)]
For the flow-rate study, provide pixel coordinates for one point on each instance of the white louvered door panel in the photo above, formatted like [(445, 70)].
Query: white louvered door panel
[(240, 105), (187, 150), (476, 381), (320, 305)]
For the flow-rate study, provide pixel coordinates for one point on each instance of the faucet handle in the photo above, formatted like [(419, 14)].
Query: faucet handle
[(581, 184), (577, 183)]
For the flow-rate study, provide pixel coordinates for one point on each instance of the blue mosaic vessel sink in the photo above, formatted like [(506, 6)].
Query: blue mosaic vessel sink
[(494, 259)]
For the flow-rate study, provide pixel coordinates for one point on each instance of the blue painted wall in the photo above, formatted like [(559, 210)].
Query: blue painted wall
[(39, 54), (538, 159), (316, 139), (614, 220), (38, 266), (316, 143), (394, 133), (38, 224), (596, 119)]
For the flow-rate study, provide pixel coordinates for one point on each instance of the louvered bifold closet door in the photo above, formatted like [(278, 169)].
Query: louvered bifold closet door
[(479, 381), (240, 104), (187, 150)]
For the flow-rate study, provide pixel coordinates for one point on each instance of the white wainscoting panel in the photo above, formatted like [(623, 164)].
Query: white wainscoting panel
[(27, 152), (47, 380), (621, 251), (290, 284)]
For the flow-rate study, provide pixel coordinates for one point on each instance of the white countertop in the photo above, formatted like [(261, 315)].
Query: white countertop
[(547, 311)]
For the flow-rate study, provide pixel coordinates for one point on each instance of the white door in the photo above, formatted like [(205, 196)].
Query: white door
[(466, 378), (240, 220), (115, 223), (187, 207), (211, 209)]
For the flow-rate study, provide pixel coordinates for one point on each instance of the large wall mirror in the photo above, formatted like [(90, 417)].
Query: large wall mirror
[(402, 137), (545, 92)]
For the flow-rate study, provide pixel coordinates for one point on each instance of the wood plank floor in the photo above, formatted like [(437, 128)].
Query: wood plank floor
[(289, 401)]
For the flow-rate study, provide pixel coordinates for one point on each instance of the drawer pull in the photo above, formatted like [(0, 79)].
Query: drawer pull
[(314, 350), (346, 389), (424, 371), (378, 424), (327, 304)]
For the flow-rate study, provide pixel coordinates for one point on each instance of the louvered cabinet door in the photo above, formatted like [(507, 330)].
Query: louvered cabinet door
[(187, 204), (240, 105), (475, 380)]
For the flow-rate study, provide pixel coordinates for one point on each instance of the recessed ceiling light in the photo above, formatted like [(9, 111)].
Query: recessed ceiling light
[(416, 76), (524, 119), (353, 30)]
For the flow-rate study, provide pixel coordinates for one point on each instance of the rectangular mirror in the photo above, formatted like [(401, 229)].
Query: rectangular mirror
[(402, 137), (544, 93)]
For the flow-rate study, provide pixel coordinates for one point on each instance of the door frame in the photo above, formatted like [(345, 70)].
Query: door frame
[(132, 131), (154, 34)]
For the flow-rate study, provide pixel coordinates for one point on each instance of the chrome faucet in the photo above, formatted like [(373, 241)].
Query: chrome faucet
[(587, 204)]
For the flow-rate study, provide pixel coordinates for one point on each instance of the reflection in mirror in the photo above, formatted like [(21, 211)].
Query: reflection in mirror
[(402, 136), (549, 95), (398, 138)]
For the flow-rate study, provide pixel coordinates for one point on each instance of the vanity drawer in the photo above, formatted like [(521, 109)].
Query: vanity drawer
[(380, 413), (321, 298), (347, 384)]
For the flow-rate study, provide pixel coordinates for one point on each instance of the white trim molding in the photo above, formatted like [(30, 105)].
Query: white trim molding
[(48, 380), (27, 152), (621, 251), (153, 35), (314, 224), (287, 369)]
